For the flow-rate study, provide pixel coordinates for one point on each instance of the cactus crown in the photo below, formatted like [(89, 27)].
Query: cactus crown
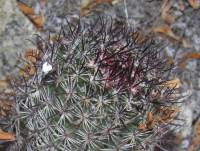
[(91, 88)]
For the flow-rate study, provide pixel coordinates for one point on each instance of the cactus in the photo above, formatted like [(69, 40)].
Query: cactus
[(94, 86)]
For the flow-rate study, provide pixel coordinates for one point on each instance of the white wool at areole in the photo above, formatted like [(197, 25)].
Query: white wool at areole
[(46, 67)]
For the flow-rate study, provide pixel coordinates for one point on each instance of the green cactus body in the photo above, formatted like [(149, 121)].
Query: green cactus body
[(93, 86)]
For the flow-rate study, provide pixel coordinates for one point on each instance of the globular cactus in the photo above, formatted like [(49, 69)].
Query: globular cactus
[(94, 86)]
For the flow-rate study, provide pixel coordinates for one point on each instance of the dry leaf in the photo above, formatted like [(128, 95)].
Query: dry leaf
[(149, 117), (165, 114), (25, 9), (27, 70), (197, 128), (55, 38), (37, 20), (150, 123), (31, 55), (185, 44), (5, 107), (194, 3), (196, 139), (6, 136), (178, 138), (168, 18), (138, 37), (166, 31), (175, 83), (169, 61), (88, 5), (193, 55), (142, 127), (166, 5), (3, 84), (190, 55), (104, 1)]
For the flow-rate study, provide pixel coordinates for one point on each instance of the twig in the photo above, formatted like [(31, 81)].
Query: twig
[(126, 12)]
